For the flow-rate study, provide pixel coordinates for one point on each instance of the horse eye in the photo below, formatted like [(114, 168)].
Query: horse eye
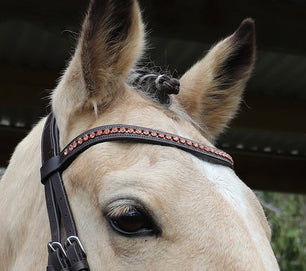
[(133, 223)]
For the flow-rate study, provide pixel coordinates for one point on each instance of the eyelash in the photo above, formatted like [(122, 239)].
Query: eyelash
[(132, 221)]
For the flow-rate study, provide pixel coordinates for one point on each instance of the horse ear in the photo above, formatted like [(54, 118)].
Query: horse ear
[(211, 90), (111, 41)]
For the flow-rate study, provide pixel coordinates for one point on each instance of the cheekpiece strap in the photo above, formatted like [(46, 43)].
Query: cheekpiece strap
[(69, 256)]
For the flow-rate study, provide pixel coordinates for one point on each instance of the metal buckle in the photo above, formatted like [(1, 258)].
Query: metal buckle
[(71, 239), (52, 248)]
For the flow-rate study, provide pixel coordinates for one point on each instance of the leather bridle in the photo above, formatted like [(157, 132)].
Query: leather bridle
[(70, 255)]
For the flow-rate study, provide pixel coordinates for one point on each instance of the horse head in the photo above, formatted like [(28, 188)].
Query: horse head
[(140, 206)]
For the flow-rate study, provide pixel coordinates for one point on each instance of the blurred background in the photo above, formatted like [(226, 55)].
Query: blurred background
[(267, 139)]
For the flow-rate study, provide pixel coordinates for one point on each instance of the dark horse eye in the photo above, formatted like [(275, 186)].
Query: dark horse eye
[(133, 223)]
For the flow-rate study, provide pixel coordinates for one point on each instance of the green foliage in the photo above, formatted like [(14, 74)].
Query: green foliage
[(286, 214)]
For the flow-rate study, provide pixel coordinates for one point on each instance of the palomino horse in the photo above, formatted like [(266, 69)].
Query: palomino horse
[(139, 206)]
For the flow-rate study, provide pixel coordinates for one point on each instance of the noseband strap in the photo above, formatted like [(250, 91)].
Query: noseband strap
[(71, 255)]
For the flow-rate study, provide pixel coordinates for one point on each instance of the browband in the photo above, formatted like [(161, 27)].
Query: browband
[(136, 134), (71, 256)]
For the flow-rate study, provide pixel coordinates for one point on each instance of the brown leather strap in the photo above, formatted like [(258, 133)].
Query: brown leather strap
[(59, 209), (136, 134), (49, 149)]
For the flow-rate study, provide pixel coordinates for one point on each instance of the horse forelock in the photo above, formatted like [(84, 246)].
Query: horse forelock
[(154, 83)]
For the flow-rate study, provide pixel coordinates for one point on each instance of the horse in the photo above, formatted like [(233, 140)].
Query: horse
[(140, 206)]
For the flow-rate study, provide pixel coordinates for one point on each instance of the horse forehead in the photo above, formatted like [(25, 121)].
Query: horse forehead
[(226, 182), (163, 176), (241, 199)]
